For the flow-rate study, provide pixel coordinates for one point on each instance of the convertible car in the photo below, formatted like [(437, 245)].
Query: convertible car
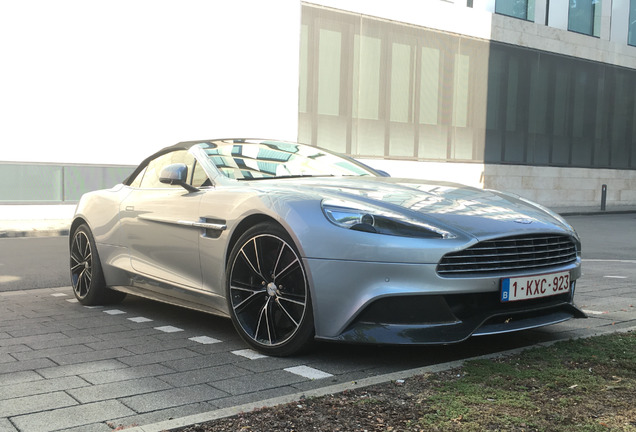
[(296, 243)]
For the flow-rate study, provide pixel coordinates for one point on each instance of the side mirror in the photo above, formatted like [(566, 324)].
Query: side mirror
[(176, 174)]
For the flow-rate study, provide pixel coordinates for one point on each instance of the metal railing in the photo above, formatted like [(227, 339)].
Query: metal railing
[(30, 183)]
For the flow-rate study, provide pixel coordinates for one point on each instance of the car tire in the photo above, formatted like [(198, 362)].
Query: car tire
[(267, 291), (87, 277)]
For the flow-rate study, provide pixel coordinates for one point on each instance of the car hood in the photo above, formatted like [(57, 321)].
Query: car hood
[(479, 213)]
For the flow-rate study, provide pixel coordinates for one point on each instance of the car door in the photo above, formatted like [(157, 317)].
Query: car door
[(156, 224)]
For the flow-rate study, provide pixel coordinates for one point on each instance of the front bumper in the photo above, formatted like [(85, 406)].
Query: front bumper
[(392, 303)]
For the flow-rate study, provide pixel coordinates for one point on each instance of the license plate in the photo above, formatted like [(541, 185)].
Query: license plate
[(531, 287)]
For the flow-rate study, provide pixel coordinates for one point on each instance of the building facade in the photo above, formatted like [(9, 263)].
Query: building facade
[(535, 97)]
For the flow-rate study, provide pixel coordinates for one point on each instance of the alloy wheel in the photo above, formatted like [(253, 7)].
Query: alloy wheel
[(268, 290), (81, 264)]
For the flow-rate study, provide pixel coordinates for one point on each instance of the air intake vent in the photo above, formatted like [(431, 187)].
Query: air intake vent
[(529, 252)]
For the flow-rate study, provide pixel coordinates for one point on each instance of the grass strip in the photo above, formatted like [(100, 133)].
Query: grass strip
[(578, 385)]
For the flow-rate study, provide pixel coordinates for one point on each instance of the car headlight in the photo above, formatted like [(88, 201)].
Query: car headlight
[(359, 217)]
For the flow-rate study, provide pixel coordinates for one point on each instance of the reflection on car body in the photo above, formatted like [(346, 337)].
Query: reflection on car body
[(296, 243)]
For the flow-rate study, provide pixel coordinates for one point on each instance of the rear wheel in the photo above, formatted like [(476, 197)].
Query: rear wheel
[(268, 293), (87, 277)]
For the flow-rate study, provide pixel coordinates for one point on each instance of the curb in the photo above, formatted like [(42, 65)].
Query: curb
[(596, 212), (191, 420), (35, 233)]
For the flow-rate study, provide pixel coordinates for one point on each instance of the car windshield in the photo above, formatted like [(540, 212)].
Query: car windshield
[(254, 160)]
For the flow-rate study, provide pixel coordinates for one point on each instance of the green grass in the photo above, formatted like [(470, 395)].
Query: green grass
[(581, 385)]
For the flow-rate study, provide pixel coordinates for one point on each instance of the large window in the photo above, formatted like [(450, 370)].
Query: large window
[(585, 17), (631, 39), (522, 9)]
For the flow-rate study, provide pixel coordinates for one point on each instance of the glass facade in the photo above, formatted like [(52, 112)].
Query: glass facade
[(585, 17), (381, 89), (522, 9), (631, 39)]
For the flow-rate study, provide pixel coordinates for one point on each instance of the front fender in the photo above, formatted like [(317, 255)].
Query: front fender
[(100, 211)]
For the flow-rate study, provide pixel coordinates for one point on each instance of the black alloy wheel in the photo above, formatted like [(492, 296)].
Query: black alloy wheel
[(268, 292), (87, 277)]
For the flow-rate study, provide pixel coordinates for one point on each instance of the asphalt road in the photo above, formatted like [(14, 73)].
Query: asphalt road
[(609, 236), (33, 262), (28, 263)]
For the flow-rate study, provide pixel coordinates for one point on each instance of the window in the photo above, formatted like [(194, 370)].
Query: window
[(585, 17), (137, 181), (631, 38), (199, 176), (329, 70), (522, 9), (271, 159)]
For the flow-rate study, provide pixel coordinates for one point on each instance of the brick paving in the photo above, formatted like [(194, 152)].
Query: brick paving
[(67, 367), (70, 368)]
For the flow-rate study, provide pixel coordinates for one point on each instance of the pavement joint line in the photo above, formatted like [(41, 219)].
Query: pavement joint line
[(354, 385)]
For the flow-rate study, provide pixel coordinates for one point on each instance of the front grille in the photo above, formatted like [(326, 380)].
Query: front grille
[(528, 252)]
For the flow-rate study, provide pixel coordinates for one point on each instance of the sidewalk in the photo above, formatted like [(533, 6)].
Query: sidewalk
[(148, 367), (35, 220), (55, 219)]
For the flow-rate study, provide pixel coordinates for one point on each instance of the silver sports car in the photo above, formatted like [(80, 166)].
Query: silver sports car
[(296, 243)]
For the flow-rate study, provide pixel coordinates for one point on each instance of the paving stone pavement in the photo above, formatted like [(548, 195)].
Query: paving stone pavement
[(67, 367)]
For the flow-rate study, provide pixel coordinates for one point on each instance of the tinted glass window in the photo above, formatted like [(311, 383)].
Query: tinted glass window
[(632, 23), (523, 9), (585, 17)]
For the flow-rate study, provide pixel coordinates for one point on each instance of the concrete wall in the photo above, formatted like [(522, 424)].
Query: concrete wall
[(561, 41), (549, 186), (564, 187)]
